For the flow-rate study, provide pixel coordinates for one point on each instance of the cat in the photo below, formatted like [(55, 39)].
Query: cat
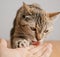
[(31, 23)]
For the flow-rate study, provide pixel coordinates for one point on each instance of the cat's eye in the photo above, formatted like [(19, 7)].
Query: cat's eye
[(27, 18), (45, 31), (32, 28), (24, 16)]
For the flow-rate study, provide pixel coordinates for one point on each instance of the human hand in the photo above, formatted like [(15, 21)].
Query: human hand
[(31, 51)]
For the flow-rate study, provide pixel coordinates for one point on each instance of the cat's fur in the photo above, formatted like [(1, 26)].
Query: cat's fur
[(31, 23)]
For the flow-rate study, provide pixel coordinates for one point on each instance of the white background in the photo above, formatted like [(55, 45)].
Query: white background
[(8, 10)]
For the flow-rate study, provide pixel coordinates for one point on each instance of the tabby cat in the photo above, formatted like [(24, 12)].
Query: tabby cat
[(31, 23)]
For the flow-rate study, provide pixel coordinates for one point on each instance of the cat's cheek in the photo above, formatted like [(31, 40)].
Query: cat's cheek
[(50, 29)]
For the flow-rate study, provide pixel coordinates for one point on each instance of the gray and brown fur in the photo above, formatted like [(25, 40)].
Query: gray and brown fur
[(31, 23)]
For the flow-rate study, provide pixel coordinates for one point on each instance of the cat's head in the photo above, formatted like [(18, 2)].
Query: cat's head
[(34, 16)]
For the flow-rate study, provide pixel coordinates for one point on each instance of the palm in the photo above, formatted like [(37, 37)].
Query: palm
[(31, 51)]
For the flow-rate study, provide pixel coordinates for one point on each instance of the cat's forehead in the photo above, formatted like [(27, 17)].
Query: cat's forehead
[(34, 8)]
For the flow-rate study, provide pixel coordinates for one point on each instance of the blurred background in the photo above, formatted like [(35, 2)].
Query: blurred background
[(8, 9)]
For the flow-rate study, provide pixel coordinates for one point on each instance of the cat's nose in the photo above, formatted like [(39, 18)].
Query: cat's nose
[(38, 37)]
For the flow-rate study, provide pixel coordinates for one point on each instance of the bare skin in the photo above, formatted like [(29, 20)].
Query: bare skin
[(31, 51)]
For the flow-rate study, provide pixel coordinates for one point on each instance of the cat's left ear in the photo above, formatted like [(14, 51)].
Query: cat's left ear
[(27, 8), (52, 15)]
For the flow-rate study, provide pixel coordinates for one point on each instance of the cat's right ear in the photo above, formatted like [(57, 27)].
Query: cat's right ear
[(52, 15), (27, 8)]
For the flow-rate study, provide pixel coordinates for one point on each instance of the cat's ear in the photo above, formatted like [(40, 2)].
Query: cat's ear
[(52, 15), (27, 8)]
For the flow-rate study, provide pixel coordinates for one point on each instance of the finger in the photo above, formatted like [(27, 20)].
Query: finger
[(3, 43), (33, 46), (47, 52), (38, 48), (30, 47), (40, 52)]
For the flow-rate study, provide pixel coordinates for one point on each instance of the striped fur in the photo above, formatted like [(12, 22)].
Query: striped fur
[(29, 26)]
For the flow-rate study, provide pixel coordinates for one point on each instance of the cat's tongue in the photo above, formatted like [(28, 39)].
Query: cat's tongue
[(36, 43)]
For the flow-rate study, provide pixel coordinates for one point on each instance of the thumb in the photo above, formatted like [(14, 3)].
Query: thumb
[(3, 43)]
